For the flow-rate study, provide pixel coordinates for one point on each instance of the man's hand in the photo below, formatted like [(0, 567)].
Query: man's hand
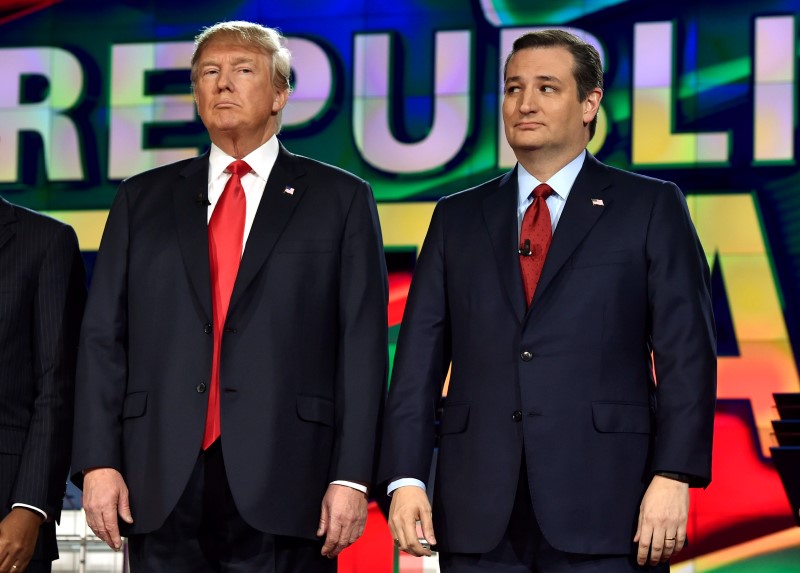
[(662, 520), (105, 496), (409, 505), (18, 532), (342, 518)]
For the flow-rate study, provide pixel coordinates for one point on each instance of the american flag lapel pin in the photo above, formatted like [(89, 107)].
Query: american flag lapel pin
[(289, 190), (598, 203)]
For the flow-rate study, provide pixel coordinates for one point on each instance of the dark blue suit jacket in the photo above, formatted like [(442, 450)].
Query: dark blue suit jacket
[(304, 356), (42, 293), (567, 386)]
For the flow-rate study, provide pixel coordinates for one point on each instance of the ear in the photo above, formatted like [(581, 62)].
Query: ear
[(281, 98), (591, 105)]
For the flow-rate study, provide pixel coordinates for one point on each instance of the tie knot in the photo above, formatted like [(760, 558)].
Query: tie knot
[(542, 190), (238, 168)]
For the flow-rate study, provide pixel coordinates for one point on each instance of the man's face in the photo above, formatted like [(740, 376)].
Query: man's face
[(541, 110), (234, 92)]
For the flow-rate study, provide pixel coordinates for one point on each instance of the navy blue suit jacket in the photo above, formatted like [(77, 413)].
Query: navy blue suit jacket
[(304, 352), (566, 387), (42, 293)]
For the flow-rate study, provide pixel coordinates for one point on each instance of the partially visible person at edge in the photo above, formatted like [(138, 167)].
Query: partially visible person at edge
[(42, 293)]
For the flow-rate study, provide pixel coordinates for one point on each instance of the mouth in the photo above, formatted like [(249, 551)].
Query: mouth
[(224, 105), (528, 125)]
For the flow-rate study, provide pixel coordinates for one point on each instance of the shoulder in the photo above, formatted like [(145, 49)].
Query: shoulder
[(474, 196), (321, 171), (630, 181), (168, 172), (39, 223)]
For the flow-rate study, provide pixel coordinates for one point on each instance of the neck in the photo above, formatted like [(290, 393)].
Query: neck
[(543, 165), (239, 145)]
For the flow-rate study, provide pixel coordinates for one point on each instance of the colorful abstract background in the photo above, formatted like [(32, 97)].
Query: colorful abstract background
[(406, 94)]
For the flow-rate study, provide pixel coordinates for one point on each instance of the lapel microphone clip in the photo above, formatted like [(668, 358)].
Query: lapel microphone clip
[(525, 249)]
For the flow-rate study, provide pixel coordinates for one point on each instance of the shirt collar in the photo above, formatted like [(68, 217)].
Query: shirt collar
[(561, 182), (261, 160)]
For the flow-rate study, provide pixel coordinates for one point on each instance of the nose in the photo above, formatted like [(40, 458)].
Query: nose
[(224, 80), (528, 102)]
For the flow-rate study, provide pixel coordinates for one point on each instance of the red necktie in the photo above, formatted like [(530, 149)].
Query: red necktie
[(225, 235), (534, 239)]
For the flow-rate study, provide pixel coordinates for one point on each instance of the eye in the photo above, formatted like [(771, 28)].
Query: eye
[(512, 89), (210, 71), (548, 89)]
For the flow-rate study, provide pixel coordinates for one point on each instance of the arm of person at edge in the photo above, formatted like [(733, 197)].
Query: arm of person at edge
[(664, 510), (362, 308), (58, 306), (18, 533)]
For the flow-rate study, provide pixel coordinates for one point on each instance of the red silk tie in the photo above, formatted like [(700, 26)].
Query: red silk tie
[(534, 239), (225, 236)]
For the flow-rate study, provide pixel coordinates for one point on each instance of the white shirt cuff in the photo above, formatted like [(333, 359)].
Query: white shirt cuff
[(36, 509), (354, 485), (402, 482)]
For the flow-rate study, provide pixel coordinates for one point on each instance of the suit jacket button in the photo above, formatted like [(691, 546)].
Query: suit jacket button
[(516, 416), (201, 387), (207, 328), (526, 356)]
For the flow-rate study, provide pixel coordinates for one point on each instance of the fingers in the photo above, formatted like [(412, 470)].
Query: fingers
[(103, 521), (105, 498), (343, 517), (645, 538), (680, 541), (663, 515), (18, 533), (409, 505), (333, 541), (323, 520), (124, 509), (426, 521)]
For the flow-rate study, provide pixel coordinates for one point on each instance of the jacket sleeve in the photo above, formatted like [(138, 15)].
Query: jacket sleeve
[(363, 360), (102, 357), (421, 364), (57, 309), (683, 340)]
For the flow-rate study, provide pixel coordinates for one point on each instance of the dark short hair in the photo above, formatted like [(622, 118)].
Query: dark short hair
[(588, 69)]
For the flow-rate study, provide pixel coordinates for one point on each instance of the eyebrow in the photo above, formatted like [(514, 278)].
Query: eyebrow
[(543, 78), (236, 62)]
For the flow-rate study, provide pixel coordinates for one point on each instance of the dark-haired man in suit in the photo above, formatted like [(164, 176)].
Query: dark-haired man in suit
[(553, 291), (234, 349), (42, 293)]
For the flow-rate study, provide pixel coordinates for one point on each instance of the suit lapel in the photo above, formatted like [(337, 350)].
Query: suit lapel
[(500, 216), (190, 199), (274, 211), (7, 220), (579, 216)]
